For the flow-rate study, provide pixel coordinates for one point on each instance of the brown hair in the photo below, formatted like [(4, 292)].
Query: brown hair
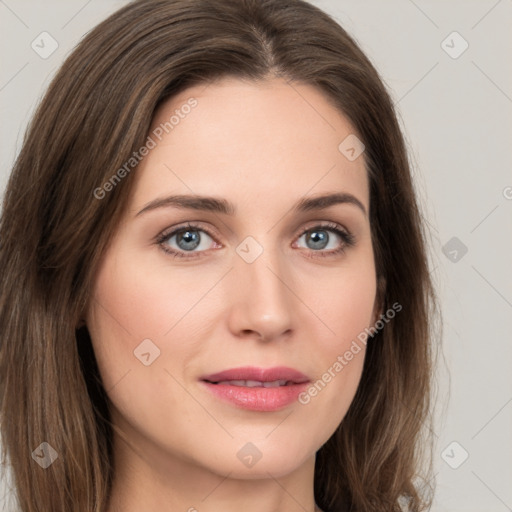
[(53, 232)]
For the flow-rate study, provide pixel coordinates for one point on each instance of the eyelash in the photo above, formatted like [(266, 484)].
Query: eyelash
[(347, 238)]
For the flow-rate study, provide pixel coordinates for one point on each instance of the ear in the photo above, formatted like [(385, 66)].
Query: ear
[(380, 298)]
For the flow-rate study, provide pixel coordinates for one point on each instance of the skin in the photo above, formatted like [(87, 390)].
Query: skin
[(263, 147)]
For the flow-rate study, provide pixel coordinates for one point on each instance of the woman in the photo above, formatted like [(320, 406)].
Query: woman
[(215, 287)]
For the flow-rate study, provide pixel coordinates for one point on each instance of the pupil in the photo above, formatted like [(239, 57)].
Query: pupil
[(319, 239), (191, 240)]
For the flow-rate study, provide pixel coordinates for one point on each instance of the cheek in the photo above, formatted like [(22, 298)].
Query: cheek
[(134, 306), (345, 301), (345, 307), (132, 303), (135, 300)]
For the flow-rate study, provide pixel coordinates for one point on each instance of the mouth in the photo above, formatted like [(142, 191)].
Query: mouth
[(254, 383), (257, 389)]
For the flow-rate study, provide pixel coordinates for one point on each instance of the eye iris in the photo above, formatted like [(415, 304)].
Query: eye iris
[(191, 238), (319, 238)]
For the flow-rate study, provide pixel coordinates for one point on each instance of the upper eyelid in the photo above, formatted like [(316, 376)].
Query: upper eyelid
[(168, 232), (327, 225)]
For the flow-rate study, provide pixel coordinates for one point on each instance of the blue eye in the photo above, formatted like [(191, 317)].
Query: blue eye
[(320, 237), (187, 239), (192, 240)]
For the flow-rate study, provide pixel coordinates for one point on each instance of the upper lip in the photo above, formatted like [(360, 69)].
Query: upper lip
[(258, 374)]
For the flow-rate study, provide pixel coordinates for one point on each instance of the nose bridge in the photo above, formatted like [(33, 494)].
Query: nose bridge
[(263, 301)]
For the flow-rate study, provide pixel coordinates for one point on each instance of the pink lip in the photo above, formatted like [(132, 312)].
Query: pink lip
[(259, 374), (257, 398)]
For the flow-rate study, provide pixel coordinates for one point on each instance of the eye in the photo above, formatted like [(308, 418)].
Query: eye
[(327, 236), (186, 239), (193, 240)]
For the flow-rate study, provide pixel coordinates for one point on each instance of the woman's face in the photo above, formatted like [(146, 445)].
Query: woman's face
[(260, 279)]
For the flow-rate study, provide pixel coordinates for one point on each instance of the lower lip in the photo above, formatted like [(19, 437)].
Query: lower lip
[(257, 398)]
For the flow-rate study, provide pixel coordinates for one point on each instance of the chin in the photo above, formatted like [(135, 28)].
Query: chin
[(259, 459)]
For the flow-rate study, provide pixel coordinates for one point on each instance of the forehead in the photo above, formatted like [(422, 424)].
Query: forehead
[(253, 143)]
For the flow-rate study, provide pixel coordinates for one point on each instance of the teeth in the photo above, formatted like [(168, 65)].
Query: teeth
[(253, 383), (233, 382), (274, 384)]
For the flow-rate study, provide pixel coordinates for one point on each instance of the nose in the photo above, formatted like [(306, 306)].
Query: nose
[(261, 299)]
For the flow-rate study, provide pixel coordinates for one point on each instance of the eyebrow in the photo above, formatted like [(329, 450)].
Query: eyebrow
[(219, 205)]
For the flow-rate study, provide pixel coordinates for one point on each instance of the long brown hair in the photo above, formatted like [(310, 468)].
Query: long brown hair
[(54, 230)]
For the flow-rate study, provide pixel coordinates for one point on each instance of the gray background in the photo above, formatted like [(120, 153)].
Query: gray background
[(456, 112)]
